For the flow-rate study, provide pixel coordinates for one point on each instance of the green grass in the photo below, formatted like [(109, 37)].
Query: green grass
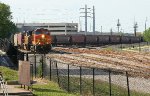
[(9, 74), (101, 87), (49, 89), (136, 48)]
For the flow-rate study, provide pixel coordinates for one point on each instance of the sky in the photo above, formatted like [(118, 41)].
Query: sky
[(107, 12)]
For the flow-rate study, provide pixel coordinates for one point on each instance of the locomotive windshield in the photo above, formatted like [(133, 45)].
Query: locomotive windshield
[(46, 33), (42, 31), (37, 32)]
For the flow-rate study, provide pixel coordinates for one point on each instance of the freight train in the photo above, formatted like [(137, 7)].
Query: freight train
[(94, 39), (38, 40)]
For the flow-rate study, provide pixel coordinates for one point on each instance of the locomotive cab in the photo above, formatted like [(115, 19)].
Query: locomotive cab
[(41, 40)]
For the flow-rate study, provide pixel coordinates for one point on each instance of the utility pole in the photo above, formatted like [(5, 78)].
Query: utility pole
[(145, 23), (65, 28), (86, 15), (135, 28), (85, 19), (111, 31), (80, 25), (93, 20), (118, 25), (121, 32), (101, 29)]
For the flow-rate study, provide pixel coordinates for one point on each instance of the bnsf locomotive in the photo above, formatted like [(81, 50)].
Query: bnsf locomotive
[(38, 40)]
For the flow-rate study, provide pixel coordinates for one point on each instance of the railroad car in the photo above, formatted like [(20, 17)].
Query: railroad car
[(20, 39), (135, 39), (114, 39), (63, 40), (53, 40), (78, 40), (103, 39), (125, 39), (14, 40), (91, 39), (142, 39)]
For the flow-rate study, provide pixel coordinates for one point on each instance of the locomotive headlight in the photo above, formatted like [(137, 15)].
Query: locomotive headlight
[(43, 36)]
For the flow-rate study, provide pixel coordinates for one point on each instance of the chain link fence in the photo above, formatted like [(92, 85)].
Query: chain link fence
[(86, 81)]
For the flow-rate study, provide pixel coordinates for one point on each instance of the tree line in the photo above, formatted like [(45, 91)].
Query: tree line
[(7, 27)]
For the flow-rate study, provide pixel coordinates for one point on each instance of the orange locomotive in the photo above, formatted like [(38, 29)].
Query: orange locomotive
[(38, 40)]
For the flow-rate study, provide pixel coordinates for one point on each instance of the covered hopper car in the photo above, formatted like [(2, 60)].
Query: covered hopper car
[(94, 39)]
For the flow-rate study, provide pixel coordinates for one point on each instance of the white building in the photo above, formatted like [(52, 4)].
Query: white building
[(55, 28)]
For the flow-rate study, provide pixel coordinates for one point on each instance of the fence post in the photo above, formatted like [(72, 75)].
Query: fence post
[(35, 65), (57, 72), (93, 81), (130, 44), (121, 45), (20, 56), (42, 67), (68, 79), (27, 58), (0, 44), (32, 73), (50, 69), (121, 41), (128, 84), (80, 80), (139, 44), (109, 82)]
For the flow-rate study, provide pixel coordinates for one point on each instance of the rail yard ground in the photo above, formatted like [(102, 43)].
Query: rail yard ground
[(136, 63)]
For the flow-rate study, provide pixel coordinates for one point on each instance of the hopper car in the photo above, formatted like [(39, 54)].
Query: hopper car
[(94, 39)]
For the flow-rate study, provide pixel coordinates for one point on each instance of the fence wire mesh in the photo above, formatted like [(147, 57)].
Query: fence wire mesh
[(86, 81), (74, 81), (101, 82)]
